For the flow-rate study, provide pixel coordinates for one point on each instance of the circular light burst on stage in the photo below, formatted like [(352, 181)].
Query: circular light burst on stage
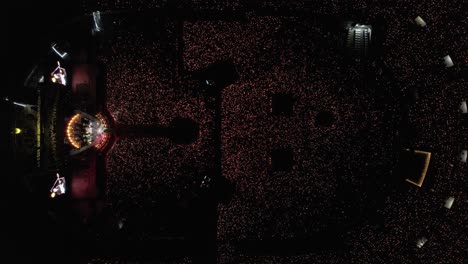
[(71, 136), (103, 136), (85, 131)]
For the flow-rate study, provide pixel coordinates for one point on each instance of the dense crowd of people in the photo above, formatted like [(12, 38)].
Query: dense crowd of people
[(143, 88), (343, 172), (303, 202)]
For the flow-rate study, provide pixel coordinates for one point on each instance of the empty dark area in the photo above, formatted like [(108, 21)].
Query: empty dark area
[(324, 118), (282, 160), (282, 104)]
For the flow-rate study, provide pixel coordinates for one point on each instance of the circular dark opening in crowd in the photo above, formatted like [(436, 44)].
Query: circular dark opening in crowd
[(183, 130), (325, 119)]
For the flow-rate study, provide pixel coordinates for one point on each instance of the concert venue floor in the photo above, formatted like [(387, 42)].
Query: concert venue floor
[(244, 133)]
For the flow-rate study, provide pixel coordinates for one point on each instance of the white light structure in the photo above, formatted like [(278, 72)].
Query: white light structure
[(419, 21), (59, 187), (463, 155), (97, 22), (420, 242), (463, 107), (449, 202), (205, 184), (56, 49), (41, 80), (59, 75), (359, 39), (448, 61), (19, 104)]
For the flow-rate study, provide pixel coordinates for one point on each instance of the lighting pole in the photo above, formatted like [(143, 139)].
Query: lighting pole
[(19, 104)]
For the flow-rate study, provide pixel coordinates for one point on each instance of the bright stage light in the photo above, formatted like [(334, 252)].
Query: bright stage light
[(59, 75), (59, 187), (84, 131), (70, 134), (59, 53)]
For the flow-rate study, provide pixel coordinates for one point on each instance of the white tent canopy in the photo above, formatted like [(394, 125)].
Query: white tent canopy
[(420, 22), (449, 202), (463, 155), (463, 107), (448, 61), (420, 242)]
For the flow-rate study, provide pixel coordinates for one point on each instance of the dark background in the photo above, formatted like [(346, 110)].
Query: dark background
[(27, 26)]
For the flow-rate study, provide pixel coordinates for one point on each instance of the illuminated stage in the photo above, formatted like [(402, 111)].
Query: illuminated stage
[(85, 131)]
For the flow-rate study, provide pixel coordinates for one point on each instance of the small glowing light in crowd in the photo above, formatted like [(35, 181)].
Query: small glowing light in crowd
[(420, 22), (449, 202), (205, 182), (56, 50), (120, 224), (59, 75), (41, 80), (420, 243), (463, 107), (463, 155), (17, 131), (448, 61), (210, 82), (59, 186)]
